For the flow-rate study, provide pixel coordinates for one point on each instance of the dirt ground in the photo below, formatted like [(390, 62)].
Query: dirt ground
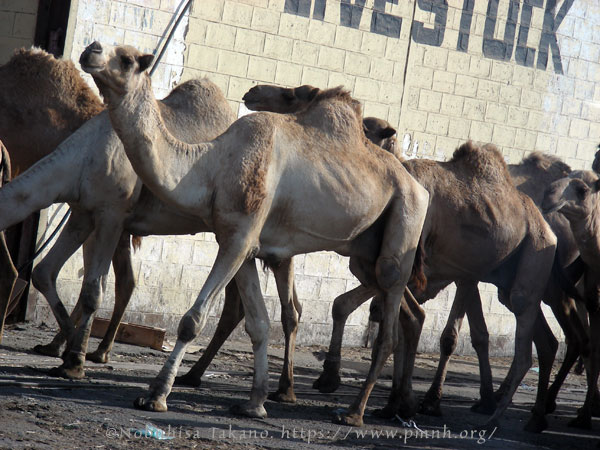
[(40, 412)]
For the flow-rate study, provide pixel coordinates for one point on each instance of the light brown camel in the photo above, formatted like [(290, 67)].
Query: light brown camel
[(494, 229), (577, 197), (381, 133), (67, 93), (272, 186), (8, 271)]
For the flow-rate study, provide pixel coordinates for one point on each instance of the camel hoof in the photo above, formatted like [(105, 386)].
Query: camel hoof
[(71, 373), (536, 424), (149, 404), (47, 350), (485, 407), (550, 406), (430, 409), (327, 383), (188, 380), (492, 424), (352, 420), (97, 357), (258, 412), (283, 397), (581, 422), (387, 412)]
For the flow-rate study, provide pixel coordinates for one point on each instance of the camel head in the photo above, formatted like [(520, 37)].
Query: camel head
[(596, 163), (575, 196), (116, 70), (381, 133), (265, 97)]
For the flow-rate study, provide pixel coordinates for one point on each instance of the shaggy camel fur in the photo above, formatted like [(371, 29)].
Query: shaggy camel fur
[(577, 197), (496, 229), (47, 97), (272, 186), (104, 218), (8, 271)]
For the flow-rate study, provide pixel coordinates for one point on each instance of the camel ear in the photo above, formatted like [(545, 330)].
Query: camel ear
[(387, 132), (597, 185), (144, 61)]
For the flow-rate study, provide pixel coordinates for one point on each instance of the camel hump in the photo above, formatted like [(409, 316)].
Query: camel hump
[(483, 162), (547, 164), (341, 94)]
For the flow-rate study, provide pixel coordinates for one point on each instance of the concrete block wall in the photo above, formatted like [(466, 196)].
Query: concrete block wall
[(17, 26), (442, 72)]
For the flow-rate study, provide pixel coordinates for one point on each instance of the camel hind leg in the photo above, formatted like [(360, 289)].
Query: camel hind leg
[(393, 269), (8, 278), (527, 288), (124, 286), (291, 310), (343, 306), (97, 254)]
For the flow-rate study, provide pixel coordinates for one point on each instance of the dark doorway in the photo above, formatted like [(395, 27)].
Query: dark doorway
[(51, 26)]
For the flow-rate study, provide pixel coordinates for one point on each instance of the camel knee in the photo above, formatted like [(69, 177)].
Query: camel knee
[(340, 309), (91, 295), (258, 330), (480, 341), (389, 272), (448, 341), (189, 327), (42, 278)]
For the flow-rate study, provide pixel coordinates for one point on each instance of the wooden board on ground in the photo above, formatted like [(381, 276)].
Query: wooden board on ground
[(131, 333)]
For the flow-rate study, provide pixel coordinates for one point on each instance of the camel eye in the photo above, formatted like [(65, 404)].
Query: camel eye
[(581, 191), (126, 61)]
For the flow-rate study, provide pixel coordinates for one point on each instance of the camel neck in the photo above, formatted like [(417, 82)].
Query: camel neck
[(159, 159), (587, 236)]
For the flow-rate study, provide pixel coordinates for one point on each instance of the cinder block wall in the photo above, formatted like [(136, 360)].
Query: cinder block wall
[(17, 26), (442, 72)]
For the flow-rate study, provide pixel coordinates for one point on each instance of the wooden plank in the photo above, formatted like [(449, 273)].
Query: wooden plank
[(131, 333)]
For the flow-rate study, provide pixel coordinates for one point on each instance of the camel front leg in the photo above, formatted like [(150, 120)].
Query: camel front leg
[(44, 275), (97, 254), (8, 278), (232, 315), (124, 286), (291, 310), (430, 404), (343, 306), (584, 415), (229, 260), (402, 400)]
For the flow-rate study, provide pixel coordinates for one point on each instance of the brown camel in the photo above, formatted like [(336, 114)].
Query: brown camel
[(8, 271), (272, 186), (577, 197), (47, 97), (494, 229)]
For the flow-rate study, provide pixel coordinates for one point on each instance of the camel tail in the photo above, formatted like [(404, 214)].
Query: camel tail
[(5, 165), (417, 274), (136, 242)]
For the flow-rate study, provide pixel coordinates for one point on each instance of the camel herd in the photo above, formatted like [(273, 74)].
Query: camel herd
[(305, 173)]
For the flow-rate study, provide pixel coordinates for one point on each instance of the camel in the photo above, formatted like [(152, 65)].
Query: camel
[(495, 229), (8, 271), (32, 125), (46, 95), (577, 198), (271, 186), (76, 104), (72, 173), (380, 133)]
